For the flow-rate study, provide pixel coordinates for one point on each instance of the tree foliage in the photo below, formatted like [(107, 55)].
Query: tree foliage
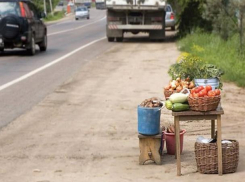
[(189, 15), (40, 5), (227, 18)]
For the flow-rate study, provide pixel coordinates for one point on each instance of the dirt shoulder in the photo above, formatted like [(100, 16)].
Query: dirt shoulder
[(87, 129)]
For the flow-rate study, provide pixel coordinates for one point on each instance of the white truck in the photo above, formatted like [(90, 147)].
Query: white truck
[(100, 4), (83, 3), (135, 16)]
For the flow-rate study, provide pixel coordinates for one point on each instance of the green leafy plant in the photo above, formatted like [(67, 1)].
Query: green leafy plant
[(189, 66), (186, 66)]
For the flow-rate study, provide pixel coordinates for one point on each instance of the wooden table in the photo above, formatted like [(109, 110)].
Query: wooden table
[(193, 115)]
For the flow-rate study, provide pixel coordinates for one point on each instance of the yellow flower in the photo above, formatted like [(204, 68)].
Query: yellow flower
[(197, 48), (182, 56)]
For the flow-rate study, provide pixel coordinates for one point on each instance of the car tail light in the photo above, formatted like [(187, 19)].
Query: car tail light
[(159, 19), (22, 10), (110, 18), (172, 16)]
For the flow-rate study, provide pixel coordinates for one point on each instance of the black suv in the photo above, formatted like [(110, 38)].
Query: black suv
[(21, 26)]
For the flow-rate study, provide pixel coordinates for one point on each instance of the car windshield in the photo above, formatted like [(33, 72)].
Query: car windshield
[(9, 8), (81, 9)]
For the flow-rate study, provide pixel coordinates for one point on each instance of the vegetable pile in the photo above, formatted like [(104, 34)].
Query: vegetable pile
[(177, 102), (179, 84), (204, 92), (152, 102)]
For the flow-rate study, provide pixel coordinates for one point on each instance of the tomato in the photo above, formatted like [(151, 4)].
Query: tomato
[(217, 92), (201, 93), (208, 88), (201, 87), (193, 90), (198, 89), (211, 93), (204, 92), (196, 95)]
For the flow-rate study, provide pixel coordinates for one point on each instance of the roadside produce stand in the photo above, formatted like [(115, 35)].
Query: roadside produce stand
[(193, 94), (194, 115)]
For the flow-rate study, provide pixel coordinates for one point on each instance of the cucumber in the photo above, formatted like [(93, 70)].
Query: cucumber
[(180, 107), (168, 105)]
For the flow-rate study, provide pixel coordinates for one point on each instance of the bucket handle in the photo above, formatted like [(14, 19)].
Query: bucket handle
[(163, 105)]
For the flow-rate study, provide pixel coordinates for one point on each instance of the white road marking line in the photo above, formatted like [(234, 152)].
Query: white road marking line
[(47, 65), (72, 29)]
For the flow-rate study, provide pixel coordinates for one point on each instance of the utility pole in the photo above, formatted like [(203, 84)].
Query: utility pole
[(51, 7), (44, 7)]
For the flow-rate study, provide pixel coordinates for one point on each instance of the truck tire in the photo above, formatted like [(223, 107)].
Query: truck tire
[(110, 39)]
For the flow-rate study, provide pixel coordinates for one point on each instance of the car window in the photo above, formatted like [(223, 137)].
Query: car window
[(168, 9), (27, 11), (9, 8), (33, 10), (81, 9)]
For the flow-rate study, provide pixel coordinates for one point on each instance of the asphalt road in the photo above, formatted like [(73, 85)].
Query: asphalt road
[(70, 43)]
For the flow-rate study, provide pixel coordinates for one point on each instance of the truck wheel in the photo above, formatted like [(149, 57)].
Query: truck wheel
[(88, 17), (32, 47), (110, 39), (119, 39)]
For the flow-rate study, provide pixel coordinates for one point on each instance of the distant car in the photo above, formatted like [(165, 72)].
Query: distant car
[(170, 17), (61, 3), (70, 3), (82, 12), (21, 26)]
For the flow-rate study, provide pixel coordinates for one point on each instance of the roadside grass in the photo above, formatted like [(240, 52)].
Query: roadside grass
[(213, 49), (57, 15)]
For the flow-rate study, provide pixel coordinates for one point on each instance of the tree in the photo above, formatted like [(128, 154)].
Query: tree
[(227, 18), (189, 15), (39, 4)]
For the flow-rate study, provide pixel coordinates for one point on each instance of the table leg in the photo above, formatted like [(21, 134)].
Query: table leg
[(220, 166), (177, 142), (175, 138), (212, 128)]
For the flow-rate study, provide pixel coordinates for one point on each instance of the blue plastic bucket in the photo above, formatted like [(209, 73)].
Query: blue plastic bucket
[(213, 82), (149, 120)]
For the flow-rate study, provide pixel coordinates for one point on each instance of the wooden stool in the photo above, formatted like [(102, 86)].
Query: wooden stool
[(150, 148)]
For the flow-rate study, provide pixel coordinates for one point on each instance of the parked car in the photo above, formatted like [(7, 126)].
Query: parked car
[(61, 3), (21, 26), (82, 12), (170, 17)]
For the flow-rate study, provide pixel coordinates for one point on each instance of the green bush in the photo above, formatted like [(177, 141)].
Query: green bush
[(214, 50), (57, 15)]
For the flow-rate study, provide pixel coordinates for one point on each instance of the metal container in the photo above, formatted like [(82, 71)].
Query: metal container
[(213, 82)]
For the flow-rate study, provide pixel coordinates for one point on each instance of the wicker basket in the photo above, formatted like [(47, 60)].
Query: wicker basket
[(207, 159), (168, 93), (204, 103)]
